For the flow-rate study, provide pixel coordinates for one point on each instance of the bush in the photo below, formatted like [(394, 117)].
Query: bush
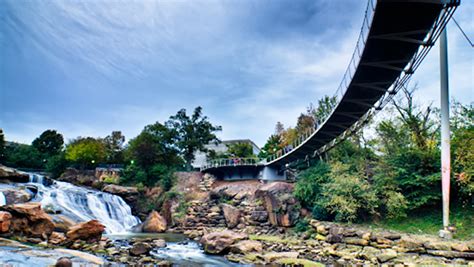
[(56, 165), (302, 225), (309, 184), (347, 196)]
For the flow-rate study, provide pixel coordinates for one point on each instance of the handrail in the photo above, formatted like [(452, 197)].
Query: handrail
[(223, 162)]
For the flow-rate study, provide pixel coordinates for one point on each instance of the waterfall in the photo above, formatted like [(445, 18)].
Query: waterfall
[(83, 204), (3, 199)]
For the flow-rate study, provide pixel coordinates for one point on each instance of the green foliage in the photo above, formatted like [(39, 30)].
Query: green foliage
[(191, 133), (348, 196), (324, 108), (57, 164), (49, 143), (2, 146), (162, 174), (114, 147), (86, 152), (271, 146), (309, 184), (240, 150), (23, 156), (302, 225)]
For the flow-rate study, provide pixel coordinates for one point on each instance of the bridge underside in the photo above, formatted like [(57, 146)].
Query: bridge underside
[(398, 29)]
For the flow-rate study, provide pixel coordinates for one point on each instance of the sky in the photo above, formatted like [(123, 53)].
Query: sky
[(87, 68)]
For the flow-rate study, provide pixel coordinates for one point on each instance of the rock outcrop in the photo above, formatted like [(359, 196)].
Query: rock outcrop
[(282, 207), (11, 175), (220, 242), (80, 177), (30, 220), (19, 194), (87, 231), (154, 223), (128, 193), (231, 215)]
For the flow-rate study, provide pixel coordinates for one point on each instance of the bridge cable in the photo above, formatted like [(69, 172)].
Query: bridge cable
[(462, 31)]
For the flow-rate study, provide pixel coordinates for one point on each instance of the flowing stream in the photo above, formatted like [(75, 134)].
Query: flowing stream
[(83, 204)]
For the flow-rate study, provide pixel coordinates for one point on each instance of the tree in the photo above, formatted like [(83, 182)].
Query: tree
[(49, 143), (154, 145), (325, 106), (23, 156), (240, 150), (271, 146), (114, 147), (86, 152), (279, 128), (191, 134)]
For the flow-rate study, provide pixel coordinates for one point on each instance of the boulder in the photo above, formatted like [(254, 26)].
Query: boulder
[(259, 216), (231, 215), (246, 246), (237, 190), (128, 193), (11, 175), (140, 248), (159, 243), (154, 223), (220, 242), (56, 238), (62, 223), (282, 207), (5, 221), (87, 231), (79, 177), (18, 195), (274, 256), (29, 219)]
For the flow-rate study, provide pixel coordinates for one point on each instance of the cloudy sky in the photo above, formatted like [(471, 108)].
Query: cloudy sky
[(90, 67)]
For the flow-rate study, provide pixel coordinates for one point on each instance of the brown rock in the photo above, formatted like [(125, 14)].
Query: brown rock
[(231, 214), (220, 242), (56, 238), (5, 221), (282, 207), (87, 231), (154, 223), (462, 247), (140, 248), (29, 219), (63, 262), (437, 245), (409, 243), (13, 175), (274, 256), (356, 241), (246, 246), (128, 193)]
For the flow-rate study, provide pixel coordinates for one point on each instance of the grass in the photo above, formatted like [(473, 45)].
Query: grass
[(274, 239), (429, 221)]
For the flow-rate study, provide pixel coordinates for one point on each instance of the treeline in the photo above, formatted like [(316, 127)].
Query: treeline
[(149, 159), (393, 168)]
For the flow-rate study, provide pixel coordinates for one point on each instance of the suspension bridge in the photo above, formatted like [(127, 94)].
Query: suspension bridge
[(395, 37)]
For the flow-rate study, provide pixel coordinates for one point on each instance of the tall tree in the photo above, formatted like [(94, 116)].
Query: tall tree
[(324, 108), (2, 146), (192, 133), (49, 143), (86, 152), (114, 146), (279, 128), (240, 150)]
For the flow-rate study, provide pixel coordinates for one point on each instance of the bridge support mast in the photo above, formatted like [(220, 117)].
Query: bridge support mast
[(445, 134)]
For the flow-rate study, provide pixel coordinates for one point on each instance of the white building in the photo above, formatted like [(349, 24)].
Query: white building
[(200, 158)]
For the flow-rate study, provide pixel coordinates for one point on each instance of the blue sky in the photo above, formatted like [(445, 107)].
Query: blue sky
[(90, 67)]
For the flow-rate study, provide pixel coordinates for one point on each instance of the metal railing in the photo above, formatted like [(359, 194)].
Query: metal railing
[(224, 162)]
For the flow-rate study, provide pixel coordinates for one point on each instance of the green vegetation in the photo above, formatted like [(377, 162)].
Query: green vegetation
[(428, 221), (86, 152), (395, 173)]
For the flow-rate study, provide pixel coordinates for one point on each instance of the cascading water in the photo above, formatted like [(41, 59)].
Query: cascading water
[(3, 199), (82, 204)]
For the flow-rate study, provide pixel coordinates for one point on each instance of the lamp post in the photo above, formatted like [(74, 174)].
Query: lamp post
[(445, 134)]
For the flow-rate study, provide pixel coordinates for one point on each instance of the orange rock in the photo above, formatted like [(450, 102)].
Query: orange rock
[(154, 223), (87, 231), (30, 220), (5, 221)]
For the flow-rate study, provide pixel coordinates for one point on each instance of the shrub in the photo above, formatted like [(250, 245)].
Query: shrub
[(309, 184)]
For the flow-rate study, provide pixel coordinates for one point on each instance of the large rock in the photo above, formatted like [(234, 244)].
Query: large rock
[(220, 242), (237, 190), (5, 221), (87, 231), (247, 246), (282, 207), (128, 193), (154, 223), (140, 248), (18, 195), (11, 175), (231, 215), (29, 219), (80, 177)]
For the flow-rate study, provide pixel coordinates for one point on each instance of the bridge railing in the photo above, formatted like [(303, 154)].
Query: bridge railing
[(231, 162), (343, 85)]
